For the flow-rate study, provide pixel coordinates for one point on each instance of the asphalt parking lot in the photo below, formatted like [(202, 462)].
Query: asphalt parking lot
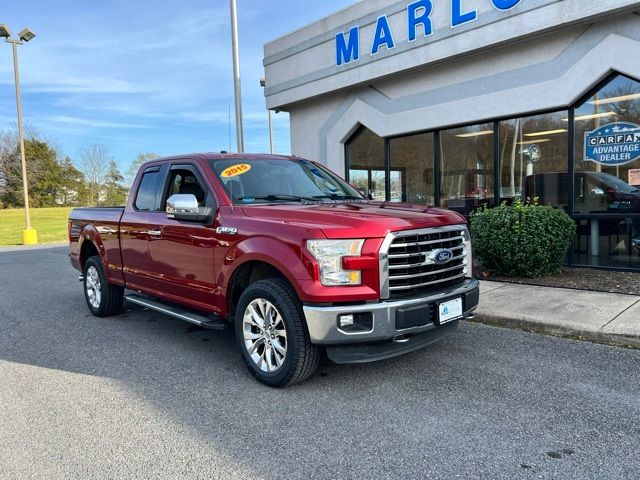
[(146, 396)]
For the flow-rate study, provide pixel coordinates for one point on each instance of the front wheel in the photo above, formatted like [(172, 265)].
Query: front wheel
[(272, 335), (103, 298)]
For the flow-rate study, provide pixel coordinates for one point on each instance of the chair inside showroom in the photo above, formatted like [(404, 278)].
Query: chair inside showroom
[(608, 228)]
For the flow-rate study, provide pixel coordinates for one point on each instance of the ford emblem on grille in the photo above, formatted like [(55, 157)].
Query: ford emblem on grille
[(441, 256)]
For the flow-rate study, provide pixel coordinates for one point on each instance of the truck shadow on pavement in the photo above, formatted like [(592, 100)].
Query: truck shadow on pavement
[(485, 402)]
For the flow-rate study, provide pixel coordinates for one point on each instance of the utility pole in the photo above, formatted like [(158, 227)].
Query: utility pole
[(236, 75), (29, 235), (263, 84)]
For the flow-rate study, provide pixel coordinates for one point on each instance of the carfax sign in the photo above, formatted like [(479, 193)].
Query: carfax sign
[(614, 144)]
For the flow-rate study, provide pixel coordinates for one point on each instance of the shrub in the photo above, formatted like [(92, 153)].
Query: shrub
[(522, 240)]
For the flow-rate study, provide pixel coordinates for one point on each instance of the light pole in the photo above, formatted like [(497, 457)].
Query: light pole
[(236, 75), (29, 235), (262, 84)]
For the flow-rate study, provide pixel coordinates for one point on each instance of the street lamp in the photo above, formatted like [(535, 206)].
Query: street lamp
[(263, 83), (29, 235), (235, 51)]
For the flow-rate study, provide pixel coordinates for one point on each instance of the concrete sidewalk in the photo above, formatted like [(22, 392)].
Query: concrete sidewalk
[(601, 317)]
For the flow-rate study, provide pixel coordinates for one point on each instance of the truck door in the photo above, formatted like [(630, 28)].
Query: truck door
[(181, 252), (135, 228)]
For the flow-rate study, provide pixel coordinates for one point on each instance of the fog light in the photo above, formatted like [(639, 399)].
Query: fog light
[(350, 323), (346, 321)]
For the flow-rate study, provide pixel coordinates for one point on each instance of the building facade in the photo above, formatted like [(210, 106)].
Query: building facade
[(462, 103)]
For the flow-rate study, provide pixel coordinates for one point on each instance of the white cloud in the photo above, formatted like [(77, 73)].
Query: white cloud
[(85, 122)]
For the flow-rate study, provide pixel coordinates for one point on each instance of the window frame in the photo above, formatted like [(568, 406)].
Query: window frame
[(496, 151), (210, 199), (389, 167), (385, 167), (571, 152), (151, 169), (584, 98)]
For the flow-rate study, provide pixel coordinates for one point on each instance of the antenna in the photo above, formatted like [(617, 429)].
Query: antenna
[(231, 182)]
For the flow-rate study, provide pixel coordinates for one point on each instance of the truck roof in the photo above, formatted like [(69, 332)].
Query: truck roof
[(228, 156)]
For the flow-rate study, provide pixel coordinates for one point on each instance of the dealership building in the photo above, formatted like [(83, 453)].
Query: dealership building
[(461, 103)]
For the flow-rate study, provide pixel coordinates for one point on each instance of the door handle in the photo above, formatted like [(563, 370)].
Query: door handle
[(155, 233)]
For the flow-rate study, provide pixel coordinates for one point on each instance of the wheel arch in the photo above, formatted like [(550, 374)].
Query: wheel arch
[(88, 249), (247, 273)]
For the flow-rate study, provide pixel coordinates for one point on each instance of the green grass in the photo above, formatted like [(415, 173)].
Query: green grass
[(51, 224)]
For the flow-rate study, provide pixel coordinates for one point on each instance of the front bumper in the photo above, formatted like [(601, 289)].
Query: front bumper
[(398, 322)]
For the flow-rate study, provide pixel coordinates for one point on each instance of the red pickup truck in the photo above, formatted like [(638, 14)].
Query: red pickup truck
[(283, 250)]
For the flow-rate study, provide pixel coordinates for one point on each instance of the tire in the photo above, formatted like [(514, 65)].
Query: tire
[(103, 298), (262, 348)]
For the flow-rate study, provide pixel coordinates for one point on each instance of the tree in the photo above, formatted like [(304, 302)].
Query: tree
[(115, 193), (10, 171), (54, 180), (140, 160), (73, 189), (94, 163), (43, 172)]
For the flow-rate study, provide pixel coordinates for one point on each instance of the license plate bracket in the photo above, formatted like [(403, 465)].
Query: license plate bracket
[(450, 310)]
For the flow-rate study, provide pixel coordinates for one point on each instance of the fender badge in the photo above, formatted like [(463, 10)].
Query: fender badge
[(227, 230)]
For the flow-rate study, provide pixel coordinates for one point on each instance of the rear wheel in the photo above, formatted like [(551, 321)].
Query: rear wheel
[(103, 298), (272, 335)]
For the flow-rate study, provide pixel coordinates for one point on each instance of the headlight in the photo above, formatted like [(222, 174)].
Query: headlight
[(468, 248), (329, 254)]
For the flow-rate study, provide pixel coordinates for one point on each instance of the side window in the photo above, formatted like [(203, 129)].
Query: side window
[(146, 197), (185, 182), (174, 183)]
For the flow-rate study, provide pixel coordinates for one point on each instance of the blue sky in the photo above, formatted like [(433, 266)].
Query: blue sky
[(145, 76)]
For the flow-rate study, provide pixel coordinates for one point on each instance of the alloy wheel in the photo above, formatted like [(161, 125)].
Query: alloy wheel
[(265, 335), (93, 287)]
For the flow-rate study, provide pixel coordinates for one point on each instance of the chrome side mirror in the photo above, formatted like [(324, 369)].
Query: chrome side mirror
[(183, 207)]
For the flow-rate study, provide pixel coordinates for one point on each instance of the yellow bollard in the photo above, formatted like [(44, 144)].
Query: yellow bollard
[(29, 237)]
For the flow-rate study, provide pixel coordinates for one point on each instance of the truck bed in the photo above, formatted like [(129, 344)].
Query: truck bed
[(103, 225), (96, 213)]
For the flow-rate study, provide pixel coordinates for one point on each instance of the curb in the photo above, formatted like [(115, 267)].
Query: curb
[(558, 330)]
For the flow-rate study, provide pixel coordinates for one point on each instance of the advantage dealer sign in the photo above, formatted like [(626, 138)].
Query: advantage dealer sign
[(613, 144)]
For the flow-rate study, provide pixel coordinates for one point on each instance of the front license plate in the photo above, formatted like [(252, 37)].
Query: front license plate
[(449, 311)]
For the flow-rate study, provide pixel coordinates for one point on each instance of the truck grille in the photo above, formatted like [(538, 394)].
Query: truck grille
[(412, 271)]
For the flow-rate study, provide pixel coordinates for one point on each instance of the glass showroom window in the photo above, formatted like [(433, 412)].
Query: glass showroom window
[(365, 163), (533, 159), (607, 175), (611, 167), (412, 174), (467, 168)]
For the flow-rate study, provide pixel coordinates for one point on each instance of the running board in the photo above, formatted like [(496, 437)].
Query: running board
[(211, 323)]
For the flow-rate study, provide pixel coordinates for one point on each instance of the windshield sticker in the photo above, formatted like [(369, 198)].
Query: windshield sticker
[(235, 170)]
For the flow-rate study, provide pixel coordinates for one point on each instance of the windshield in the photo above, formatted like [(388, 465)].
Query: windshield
[(250, 181)]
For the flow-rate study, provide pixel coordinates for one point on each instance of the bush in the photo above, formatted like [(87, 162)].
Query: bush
[(522, 240)]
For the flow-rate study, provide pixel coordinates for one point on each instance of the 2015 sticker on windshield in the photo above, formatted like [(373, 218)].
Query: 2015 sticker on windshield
[(235, 170)]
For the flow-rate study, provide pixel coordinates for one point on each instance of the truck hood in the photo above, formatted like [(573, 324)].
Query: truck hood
[(357, 219)]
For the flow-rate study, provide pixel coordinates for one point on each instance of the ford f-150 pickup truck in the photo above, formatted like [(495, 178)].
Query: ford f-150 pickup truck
[(284, 251)]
